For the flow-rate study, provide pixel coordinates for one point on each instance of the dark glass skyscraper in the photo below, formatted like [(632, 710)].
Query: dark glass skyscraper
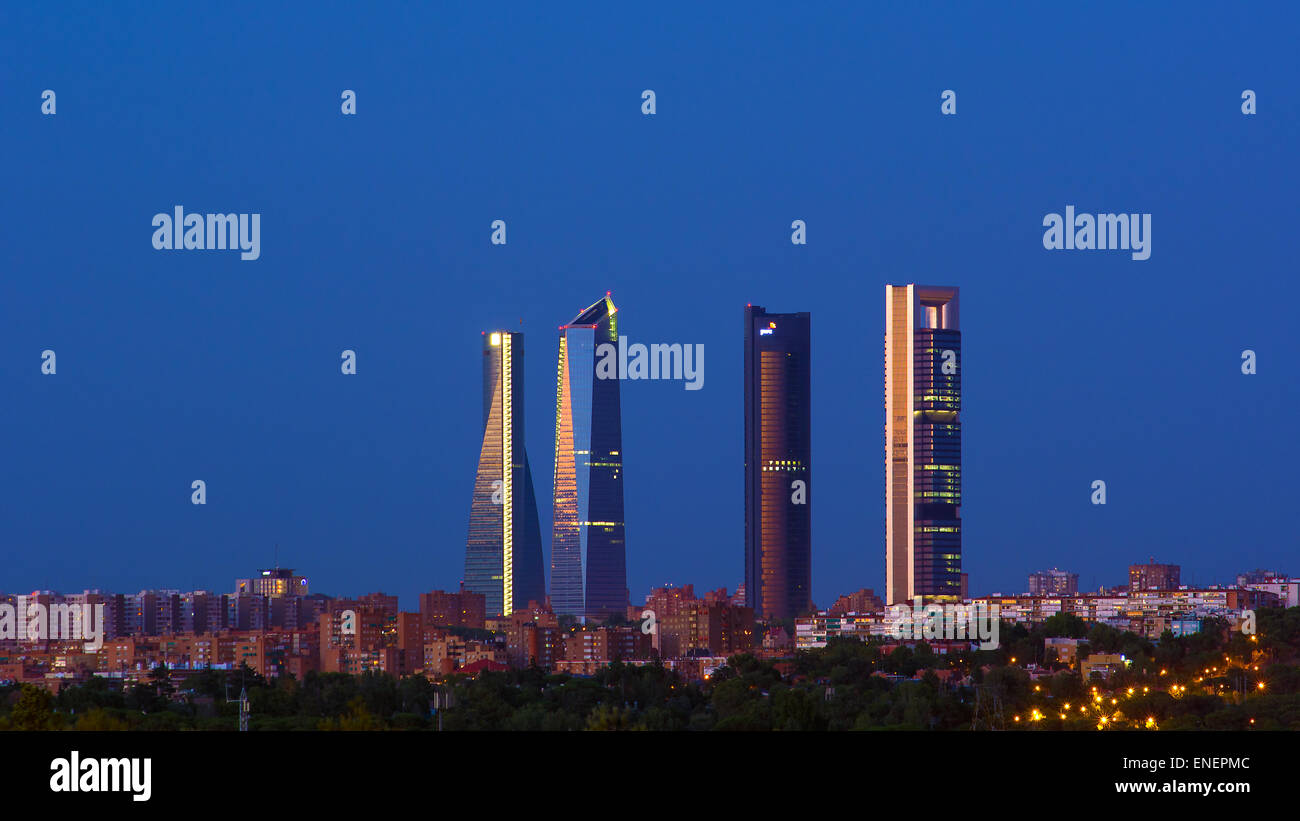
[(588, 552), (922, 443), (778, 463), (503, 554)]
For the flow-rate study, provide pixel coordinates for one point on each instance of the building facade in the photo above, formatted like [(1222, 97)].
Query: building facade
[(922, 443), (461, 609), (863, 601), (274, 582), (503, 553), (1153, 576), (588, 546), (778, 463), (1053, 582)]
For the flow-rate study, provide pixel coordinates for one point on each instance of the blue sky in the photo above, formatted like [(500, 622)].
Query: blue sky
[(175, 366)]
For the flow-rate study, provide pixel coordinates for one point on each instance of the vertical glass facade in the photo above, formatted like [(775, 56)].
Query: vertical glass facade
[(503, 553), (922, 442), (588, 550), (898, 444), (778, 456)]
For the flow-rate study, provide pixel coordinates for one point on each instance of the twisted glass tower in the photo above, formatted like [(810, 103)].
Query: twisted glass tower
[(503, 554), (922, 443), (588, 554)]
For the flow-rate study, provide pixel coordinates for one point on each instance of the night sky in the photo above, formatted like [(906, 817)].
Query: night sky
[(375, 236)]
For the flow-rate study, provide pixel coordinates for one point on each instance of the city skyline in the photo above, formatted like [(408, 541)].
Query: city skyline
[(371, 373), (1121, 579), (375, 237), (929, 315)]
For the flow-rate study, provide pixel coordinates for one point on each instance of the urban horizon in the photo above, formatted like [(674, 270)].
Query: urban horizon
[(491, 507), (530, 372), (486, 499), (1104, 589)]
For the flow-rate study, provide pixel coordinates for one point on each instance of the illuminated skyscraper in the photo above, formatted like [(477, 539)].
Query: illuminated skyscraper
[(922, 443), (588, 553), (503, 554), (778, 463)]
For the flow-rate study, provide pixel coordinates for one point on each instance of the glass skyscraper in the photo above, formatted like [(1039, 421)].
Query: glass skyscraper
[(922, 443), (588, 552), (503, 554), (778, 463)]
